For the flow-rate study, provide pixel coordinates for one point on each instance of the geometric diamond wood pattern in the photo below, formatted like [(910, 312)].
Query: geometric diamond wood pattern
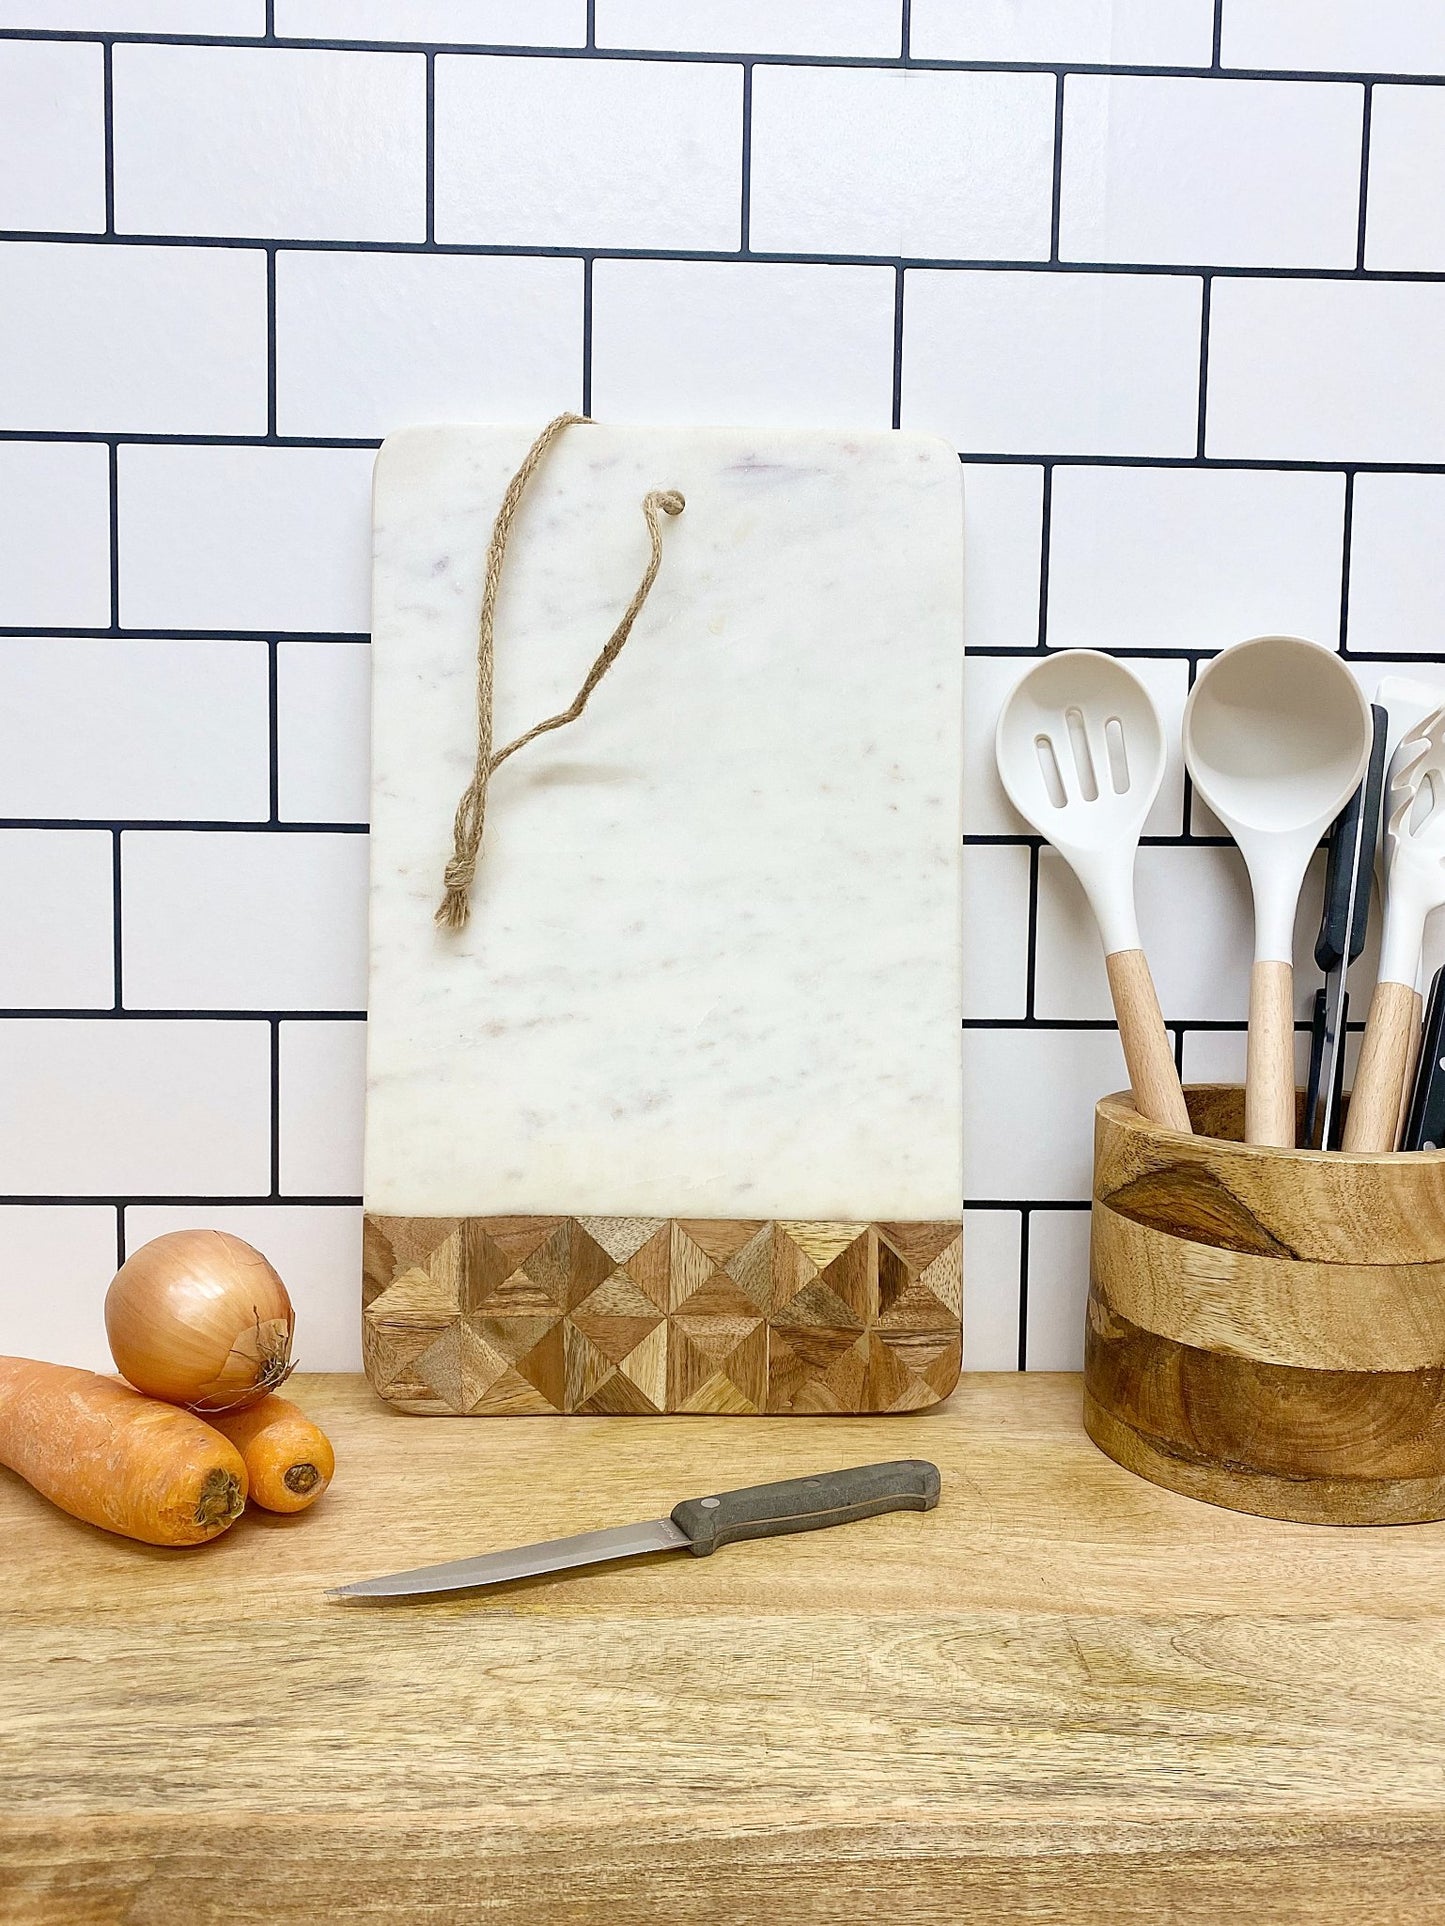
[(505, 1316)]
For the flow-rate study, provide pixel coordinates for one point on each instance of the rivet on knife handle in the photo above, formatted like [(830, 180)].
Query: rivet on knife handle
[(807, 1504)]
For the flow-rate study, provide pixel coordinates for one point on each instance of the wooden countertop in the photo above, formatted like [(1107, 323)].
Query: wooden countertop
[(1063, 1696)]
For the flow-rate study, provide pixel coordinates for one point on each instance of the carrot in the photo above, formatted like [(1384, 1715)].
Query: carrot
[(124, 1462), (289, 1460)]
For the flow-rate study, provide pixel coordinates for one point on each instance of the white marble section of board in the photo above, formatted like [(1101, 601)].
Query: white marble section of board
[(714, 961)]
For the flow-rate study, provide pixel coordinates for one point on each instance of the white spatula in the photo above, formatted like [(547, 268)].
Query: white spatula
[(1081, 754)]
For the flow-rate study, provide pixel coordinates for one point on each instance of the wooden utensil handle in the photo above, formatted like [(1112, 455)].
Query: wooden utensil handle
[(1269, 1111), (1374, 1114), (1147, 1050)]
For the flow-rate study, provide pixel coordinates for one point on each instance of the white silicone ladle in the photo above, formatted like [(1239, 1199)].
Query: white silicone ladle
[(1276, 736), (1081, 755), (1414, 886)]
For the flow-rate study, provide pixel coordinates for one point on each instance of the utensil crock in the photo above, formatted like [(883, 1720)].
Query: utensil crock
[(1266, 1327)]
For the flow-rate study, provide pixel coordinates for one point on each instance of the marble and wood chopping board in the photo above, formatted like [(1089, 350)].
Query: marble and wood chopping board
[(674, 1123)]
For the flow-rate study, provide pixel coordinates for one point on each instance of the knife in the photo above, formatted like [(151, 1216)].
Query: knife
[(1425, 1126), (1349, 877), (698, 1525)]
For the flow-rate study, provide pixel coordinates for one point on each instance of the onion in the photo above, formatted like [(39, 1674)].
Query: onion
[(199, 1318)]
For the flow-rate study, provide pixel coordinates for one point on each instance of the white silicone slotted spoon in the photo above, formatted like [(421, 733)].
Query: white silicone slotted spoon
[(1414, 886), (1081, 755)]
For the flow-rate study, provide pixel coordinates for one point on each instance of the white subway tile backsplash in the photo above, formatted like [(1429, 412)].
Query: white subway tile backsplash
[(245, 538), (1030, 1096), (1326, 371), (103, 728), (873, 161), (163, 340), (496, 23), (1248, 173), (323, 732), (290, 143), (56, 1261), (54, 534), (1003, 513), (991, 1290), (56, 911), (1405, 218), (1058, 1289), (323, 1094), (856, 27), (996, 899), (1120, 33), (1397, 588), (1053, 364), (370, 342), (316, 1248), (535, 152), (114, 1107), (230, 920), (1182, 558), (52, 136), (1335, 36), (136, 16), (723, 341)]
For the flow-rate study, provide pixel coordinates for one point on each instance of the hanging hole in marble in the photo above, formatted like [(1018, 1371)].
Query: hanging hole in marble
[(1049, 770), (1083, 755), (1118, 755)]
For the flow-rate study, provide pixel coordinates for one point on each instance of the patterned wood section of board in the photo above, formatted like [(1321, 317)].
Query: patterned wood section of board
[(504, 1316)]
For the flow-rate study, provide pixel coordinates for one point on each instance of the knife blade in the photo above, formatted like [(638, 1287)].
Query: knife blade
[(1349, 879), (698, 1525), (1425, 1125)]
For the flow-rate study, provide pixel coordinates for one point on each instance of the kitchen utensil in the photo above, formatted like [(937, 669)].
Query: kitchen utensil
[(1081, 754), (675, 1122), (1425, 1120), (1276, 737), (698, 1525), (1349, 879), (1414, 886)]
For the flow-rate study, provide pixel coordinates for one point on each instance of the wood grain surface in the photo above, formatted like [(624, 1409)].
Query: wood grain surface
[(1063, 1696)]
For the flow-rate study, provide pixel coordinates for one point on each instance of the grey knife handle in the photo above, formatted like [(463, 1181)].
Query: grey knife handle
[(807, 1504)]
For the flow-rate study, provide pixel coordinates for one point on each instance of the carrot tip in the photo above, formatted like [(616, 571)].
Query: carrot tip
[(220, 1500), (301, 1479)]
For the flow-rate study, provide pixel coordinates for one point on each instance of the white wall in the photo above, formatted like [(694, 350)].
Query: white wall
[(1182, 324)]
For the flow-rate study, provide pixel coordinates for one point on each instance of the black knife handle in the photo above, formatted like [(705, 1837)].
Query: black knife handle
[(1351, 860), (807, 1504), (1425, 1125)]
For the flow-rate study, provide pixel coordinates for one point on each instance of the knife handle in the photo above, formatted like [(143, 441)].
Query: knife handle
[(1425, 1128), (807, 1504)]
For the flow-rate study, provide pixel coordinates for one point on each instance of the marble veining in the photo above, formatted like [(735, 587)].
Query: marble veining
[(713, 963)]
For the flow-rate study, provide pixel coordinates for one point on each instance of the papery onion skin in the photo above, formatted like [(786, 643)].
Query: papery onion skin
[(199, 1318)]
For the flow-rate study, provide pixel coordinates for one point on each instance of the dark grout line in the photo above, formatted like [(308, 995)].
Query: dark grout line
[(1046, 516), (1056, 191), (1025, 1225), (1031, 945), (591, 41), (273, 734), (22, 1013), (905, 40), (276, 1107), (1346, 542), (1364, 174), (587, 335), (119, 1235), (746, 197), (1207, 288), (108, 112), (271, 434), (1214, 60), (113, 531), (897, 400), (116, 928), (240, 1201), (431, 151)]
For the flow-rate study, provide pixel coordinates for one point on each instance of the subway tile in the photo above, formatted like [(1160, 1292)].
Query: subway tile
[(495, 23), (1058, 1289), (160, 340), (1003, 512), (54, 535), (991, 1290), (52, 136), (1218, 1056), (1245, 173), (323, 732), (857, 27), (229, 920), (996, 929), (56, 911), (137, 16), (245, 538), (1030, 1096), (1326, 371), (616, 153), (719, 341), (873, 161), (289, 144), (1183, 558), (104, 728), (107, 1107), (366, 343), (315, 1248), (1114, 33), (1335, 36), (1053, 364), (1397, 590), (323, 1102), (57, 1261), (1405, 216)]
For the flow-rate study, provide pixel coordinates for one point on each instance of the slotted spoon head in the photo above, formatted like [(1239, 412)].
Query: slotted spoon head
[(1414, 845)]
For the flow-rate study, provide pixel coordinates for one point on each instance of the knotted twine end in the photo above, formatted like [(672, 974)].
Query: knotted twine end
[(454, 910)]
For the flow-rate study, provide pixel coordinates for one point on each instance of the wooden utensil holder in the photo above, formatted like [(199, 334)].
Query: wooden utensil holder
[(1266, 1327)]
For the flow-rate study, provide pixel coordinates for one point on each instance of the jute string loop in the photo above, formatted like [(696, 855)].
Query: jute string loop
[(455, 906)]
